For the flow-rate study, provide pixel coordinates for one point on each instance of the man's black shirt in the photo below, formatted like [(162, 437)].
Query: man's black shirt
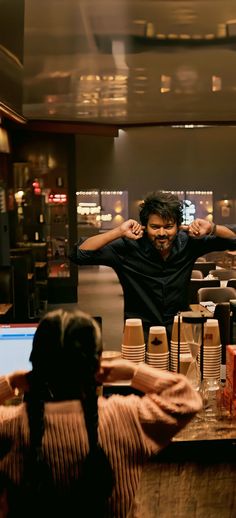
[(154, 289)]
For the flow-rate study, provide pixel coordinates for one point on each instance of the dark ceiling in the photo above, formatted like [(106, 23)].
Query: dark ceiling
[(130, 61)]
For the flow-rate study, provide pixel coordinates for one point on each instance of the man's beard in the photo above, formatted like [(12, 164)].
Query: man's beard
[(162, 246)]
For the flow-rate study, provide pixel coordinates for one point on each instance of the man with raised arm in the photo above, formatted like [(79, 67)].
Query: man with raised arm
[(154, 259)]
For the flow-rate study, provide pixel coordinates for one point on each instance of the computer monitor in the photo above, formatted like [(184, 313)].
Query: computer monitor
[(15, 346)]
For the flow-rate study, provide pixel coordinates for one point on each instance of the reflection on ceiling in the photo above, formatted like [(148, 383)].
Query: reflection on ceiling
[(130, 61)]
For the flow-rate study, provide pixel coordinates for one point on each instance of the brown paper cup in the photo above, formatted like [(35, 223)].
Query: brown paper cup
[(211, 332), (133, 332), (157, 340), (174, 333)]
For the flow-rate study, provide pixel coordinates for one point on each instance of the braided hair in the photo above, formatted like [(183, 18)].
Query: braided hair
[(66, 345)]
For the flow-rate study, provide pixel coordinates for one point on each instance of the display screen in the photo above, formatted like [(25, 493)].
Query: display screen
[(15, 347)]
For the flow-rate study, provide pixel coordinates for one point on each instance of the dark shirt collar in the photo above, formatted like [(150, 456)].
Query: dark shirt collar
[(178, 243)]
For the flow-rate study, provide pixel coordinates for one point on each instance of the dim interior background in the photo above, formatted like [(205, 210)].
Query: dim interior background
[(114, 98)]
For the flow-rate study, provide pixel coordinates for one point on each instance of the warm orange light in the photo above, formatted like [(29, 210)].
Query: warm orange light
[(4, 141)]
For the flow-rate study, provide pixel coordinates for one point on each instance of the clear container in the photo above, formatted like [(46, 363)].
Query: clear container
[(211, 393)]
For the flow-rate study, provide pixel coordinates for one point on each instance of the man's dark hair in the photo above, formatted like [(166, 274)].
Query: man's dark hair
[(165, 204)]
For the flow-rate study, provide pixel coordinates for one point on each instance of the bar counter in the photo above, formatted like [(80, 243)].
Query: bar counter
[(195, 476)]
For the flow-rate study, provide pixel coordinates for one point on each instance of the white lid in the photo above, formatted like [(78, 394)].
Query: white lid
[(133, 321), (212, 322), (157, 329)]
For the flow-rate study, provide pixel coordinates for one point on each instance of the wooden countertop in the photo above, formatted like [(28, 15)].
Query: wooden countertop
[(209, 429)]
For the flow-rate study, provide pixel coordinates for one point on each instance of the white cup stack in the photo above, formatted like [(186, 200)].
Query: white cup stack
[(157, 354), (212, 350), (133, 346), (184, 349), (211, 362)]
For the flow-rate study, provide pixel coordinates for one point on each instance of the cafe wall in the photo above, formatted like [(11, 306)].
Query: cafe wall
[(143, 159)]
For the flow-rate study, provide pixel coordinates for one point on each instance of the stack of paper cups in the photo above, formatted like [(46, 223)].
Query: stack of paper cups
[(133, 346), (212, 350), (184, 349), (157, 353)]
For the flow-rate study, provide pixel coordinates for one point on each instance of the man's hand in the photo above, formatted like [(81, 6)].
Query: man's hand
[(131, 229), (202, 227), (198, 228)]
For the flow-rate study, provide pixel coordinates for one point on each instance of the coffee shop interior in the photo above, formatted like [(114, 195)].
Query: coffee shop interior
[(101, 102)]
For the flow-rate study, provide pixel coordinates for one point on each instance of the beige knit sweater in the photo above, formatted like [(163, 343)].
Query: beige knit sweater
[(131, 429)]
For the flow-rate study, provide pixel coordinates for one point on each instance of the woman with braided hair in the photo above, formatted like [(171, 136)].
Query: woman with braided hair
[(68, 451)]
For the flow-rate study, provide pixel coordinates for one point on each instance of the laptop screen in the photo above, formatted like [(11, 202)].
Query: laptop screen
[(15, 346)]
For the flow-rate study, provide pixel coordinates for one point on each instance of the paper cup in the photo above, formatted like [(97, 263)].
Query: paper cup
[(174, 333), (211, 333), (157, 340), (133, 332)]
